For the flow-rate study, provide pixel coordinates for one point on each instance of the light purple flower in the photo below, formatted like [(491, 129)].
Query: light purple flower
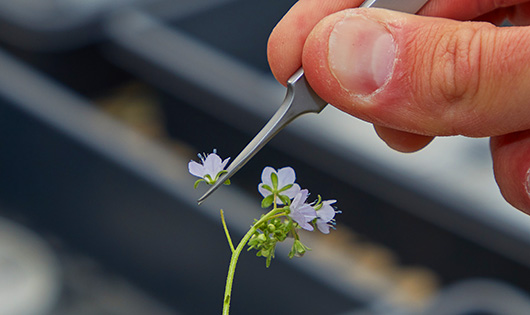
[(301, 212), (325, 216), (286, 177), (210, 167)]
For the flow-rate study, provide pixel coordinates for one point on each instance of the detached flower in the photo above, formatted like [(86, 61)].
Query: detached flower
[(301, 212), (325, 216), (210, 168), (279, 182)]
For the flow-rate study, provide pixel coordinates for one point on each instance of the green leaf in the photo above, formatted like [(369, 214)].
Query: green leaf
[(274, 179), (227, 182), (267, 201), (197, 183)]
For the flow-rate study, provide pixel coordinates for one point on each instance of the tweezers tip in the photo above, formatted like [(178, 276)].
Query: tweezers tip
[(208, 193), (201, 200)]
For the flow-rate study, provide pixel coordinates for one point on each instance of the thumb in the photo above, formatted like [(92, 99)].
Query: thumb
[(423, 75)]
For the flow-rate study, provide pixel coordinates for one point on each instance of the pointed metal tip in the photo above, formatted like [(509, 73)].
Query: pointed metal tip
[(212, 189), (206, 194), (201, 200)]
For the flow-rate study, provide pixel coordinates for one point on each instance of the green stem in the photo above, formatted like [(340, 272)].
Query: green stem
[(235, 256), (226, 231)]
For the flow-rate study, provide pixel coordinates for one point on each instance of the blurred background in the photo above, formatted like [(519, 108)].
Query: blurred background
[(103, 104)]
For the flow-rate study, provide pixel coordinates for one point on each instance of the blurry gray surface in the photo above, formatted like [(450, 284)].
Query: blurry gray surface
[(89, 289), (57, 15), (30, 277), (54, 25), (476, 296)]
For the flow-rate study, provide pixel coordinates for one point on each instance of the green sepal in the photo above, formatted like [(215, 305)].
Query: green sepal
[(270, 256), (219, 174), (285, 200), (265, 252), (208, 179), (274, 179), (267, 201), (197, 183), (284, 188), (267, 187), (298, 249), (318, 204), (269, 259)]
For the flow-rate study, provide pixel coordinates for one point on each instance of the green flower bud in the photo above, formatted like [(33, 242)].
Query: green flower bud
[(298, 249)]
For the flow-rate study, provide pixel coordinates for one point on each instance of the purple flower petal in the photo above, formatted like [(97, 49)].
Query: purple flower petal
[(286, 176), (266, 175), (326, 213), (213, 165), (323, 226), (264, 192), (303, 217), (223, 165), (301, 212), (196, 169), (308, 212), (299, 199), (210, 165), (292, 192)]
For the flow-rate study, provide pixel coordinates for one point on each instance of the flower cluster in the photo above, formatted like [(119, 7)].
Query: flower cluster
[(291, 211), (279, 188)]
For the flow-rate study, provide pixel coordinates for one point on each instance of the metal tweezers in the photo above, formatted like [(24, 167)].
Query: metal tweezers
[(300, 99)]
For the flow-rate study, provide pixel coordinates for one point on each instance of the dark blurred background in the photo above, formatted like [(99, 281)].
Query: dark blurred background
[(103, 104)]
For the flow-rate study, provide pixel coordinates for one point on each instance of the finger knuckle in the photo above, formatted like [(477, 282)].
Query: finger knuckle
[(456, 65), (455, 77)]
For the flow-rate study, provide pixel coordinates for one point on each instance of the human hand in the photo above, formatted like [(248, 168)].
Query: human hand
[(417, 77)]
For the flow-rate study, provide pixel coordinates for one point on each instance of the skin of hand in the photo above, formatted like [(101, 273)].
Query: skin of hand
[(450, 70)]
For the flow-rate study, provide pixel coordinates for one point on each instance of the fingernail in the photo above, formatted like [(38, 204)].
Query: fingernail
[(361, 54)]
